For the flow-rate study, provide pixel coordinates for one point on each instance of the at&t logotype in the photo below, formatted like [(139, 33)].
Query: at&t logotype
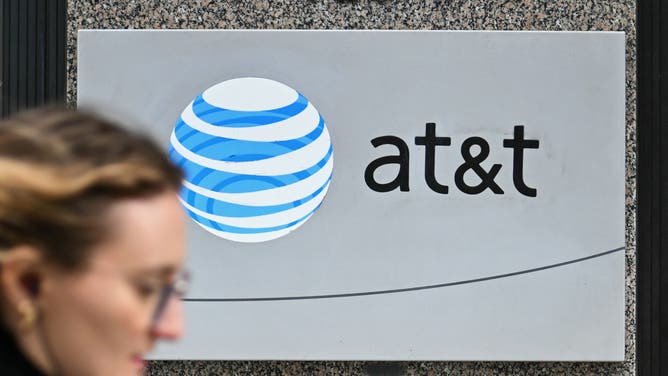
[(257, 157)]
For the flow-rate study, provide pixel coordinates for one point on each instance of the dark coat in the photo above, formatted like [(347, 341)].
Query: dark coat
[(12, 360)]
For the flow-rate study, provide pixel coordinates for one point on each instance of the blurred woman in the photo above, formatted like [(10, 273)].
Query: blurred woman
[(91, 246)]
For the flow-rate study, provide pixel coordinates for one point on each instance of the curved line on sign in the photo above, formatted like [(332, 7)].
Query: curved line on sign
[(394, 291)]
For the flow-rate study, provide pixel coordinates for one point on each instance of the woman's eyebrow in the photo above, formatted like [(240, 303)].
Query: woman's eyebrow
[(163, 271)]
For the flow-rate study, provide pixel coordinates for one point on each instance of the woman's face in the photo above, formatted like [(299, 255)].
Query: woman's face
[(100, 321)]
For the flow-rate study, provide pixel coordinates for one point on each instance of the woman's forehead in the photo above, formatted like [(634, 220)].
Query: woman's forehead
[(145, 233)]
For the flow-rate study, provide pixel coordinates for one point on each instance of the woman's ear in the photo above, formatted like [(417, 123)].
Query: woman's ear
[(21, 275)]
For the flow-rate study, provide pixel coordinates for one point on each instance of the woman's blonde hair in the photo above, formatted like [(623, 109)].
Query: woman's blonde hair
[(60, 171)]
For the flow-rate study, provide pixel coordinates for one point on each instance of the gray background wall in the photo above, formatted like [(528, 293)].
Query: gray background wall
[(409, 14)]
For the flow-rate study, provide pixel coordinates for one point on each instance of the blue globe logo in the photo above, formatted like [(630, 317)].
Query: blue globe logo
[(257, 158)]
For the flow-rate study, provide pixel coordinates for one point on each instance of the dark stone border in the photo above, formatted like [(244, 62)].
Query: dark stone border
[(652, 225), (33, 39)]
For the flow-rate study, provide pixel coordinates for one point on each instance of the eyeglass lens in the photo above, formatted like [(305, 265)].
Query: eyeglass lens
[(178, 287)]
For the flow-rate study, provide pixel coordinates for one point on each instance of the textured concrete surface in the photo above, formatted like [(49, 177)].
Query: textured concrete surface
[(617, 15)]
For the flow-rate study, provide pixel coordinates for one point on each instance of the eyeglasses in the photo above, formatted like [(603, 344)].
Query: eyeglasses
[(176, 288)]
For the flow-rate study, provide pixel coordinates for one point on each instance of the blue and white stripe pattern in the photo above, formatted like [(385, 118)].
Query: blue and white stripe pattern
[(257, 158)]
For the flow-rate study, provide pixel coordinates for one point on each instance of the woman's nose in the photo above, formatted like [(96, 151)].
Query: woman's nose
[(170, 323)]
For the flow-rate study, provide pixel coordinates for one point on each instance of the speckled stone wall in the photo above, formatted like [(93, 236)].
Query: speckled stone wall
[(617, 15)]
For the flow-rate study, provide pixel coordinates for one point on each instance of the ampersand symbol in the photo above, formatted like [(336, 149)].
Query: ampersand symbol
[(473, 163)]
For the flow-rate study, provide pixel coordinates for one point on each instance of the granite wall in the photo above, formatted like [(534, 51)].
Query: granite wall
[(617, 15)]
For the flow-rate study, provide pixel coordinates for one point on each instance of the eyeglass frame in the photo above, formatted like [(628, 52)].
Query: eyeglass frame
[(178, 287)]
